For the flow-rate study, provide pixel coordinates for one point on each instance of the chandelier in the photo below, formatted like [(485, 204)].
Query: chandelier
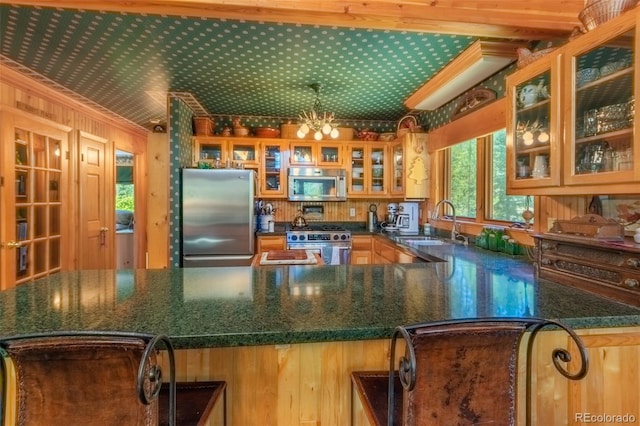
[(317, 120)]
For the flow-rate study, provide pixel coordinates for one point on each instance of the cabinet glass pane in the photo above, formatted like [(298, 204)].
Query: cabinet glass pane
[(302, 154), (39, 151), (357, 169), (329, 154), (54, 220), (54, 154), (39, 221), (41, 186), (22, 224), (22, 151), (54, 185), (604, 109), (22, 260), (22, 186), (40, 256), (54, 253), (211, 152), (377, 169), (244, 153), (533, 112), (398, 175), (272, 167)]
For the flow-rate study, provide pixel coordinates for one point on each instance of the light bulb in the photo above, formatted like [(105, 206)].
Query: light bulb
[(318, 135), (335, 133), (304, 128), (300, 134), (326, 129)]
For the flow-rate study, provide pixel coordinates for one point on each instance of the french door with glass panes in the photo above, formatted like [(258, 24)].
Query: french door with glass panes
[(32, 194)]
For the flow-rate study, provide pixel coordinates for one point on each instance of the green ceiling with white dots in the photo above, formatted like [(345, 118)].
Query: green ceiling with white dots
[(231, 67)]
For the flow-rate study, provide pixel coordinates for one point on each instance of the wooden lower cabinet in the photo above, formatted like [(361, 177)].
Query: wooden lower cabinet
[(303, 384), (270, 242), (361, 249), (385, 251)]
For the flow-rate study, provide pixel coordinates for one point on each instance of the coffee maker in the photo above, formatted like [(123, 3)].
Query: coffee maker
[(407, 218)]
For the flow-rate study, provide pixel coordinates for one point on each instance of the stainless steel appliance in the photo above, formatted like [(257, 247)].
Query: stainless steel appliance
[(332, 242), (313, 184), (217, 217)]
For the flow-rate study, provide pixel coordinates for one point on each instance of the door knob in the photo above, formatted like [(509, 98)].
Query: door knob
[(104, 229), (12, 244)]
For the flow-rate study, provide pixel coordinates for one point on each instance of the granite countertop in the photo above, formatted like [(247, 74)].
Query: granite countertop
[(232, 306)]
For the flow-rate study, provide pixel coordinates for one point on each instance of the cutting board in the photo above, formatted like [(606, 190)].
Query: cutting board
[(288, 257)]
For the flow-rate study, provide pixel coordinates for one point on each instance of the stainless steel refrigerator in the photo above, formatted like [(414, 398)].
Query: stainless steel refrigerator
[(217, 217)]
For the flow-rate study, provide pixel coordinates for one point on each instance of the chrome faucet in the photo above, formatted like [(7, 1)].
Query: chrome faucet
[(455, 234)]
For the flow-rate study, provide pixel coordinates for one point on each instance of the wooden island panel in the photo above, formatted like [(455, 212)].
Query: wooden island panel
[(304, 384)]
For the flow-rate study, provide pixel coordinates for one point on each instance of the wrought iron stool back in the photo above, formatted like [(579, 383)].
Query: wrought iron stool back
[(464, 372), (89, 378)]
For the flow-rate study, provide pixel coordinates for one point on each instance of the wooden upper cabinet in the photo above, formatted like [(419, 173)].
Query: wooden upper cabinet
[(370, 167), (321, 154), (410, 168), (582, 96), (533, 126), (600, 88)]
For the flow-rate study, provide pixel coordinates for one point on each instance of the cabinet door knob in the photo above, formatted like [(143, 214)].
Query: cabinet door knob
[(546, 261), (546, 246), (632, 283), (634, 262)]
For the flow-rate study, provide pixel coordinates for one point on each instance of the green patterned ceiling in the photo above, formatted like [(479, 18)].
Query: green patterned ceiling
[(119, 61)]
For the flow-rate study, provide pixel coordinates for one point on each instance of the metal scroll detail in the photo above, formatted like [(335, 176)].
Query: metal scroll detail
[(561, 357), (150, 376)]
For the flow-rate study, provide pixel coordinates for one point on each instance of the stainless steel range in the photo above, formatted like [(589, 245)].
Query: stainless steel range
[(331, 241)]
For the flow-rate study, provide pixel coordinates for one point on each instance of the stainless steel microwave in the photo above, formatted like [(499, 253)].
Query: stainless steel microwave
[(313, 184)]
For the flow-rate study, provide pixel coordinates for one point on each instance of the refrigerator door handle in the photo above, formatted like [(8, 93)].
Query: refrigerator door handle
[(220, 257)]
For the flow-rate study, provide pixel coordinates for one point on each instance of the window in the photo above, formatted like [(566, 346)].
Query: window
[(502, 207), (463, 177), (467, 160)]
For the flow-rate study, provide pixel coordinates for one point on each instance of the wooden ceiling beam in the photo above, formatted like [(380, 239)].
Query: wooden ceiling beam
[(513, 19)]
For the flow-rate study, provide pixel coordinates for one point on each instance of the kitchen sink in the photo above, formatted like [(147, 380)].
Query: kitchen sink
[(420, 240)]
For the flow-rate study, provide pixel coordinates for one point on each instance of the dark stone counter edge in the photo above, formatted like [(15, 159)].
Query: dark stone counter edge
[(318, 336)]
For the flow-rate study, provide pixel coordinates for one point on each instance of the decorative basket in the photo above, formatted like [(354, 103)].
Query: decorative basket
[(204, 126), (600, 11)]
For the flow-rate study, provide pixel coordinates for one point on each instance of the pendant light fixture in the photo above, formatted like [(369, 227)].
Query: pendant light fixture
[(317, 120)]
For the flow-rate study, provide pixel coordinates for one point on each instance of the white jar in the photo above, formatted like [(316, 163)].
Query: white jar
[(636, 236)]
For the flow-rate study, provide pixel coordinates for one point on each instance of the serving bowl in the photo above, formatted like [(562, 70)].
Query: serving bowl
[(267, 132)]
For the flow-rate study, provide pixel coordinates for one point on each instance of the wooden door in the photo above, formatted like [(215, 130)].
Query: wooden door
[(33, 199), (94, 245)]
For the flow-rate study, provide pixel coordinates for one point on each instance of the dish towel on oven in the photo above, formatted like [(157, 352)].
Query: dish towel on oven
[(331, 255)]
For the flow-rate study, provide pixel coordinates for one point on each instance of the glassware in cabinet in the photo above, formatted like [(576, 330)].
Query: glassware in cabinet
[(533, 125), (358, 172), (272, 170), (378, 161), (303, 153), (601, 123), (243, 153), (397, 169), (330, 154)]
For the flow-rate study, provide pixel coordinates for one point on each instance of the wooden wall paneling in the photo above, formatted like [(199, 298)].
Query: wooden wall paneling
[(157, 180)]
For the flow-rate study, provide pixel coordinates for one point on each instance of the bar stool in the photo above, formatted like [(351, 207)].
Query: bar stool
[(457, 372), (102, 378)]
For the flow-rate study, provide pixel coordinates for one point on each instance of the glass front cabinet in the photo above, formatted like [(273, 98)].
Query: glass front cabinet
[(571, 116), (368, 171), (533, 123), (600, 80)]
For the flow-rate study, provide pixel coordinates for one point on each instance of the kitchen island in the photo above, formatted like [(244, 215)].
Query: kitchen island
[(286, 337)]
